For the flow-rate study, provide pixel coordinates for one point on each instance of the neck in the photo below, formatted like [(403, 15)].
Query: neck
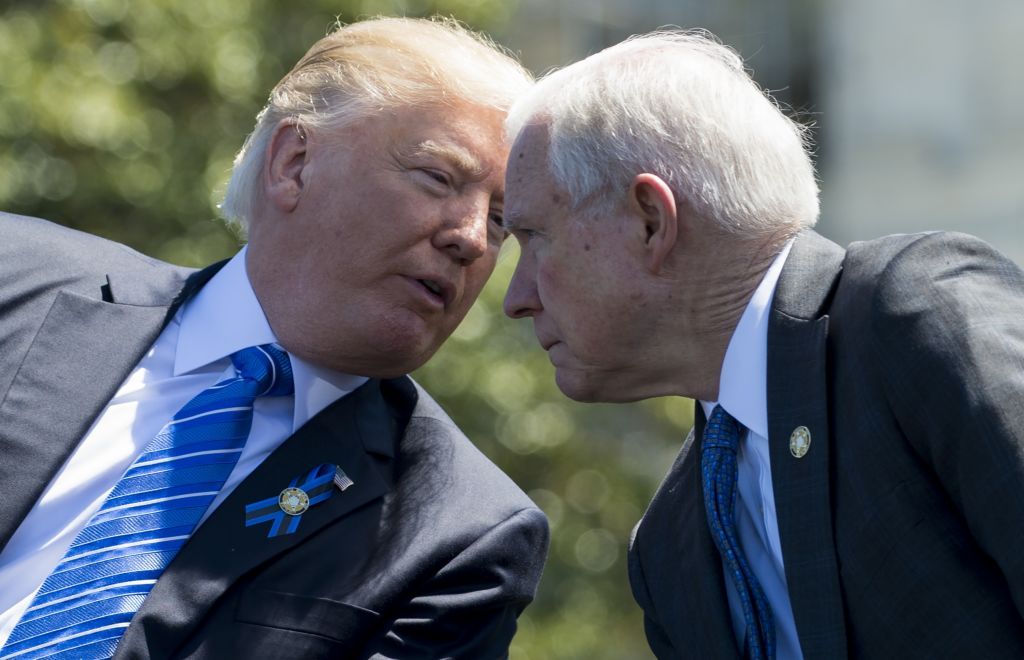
[(713, 283)]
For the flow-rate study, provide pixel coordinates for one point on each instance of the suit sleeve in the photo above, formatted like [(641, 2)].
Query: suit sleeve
[(468, 609), (949, 333)]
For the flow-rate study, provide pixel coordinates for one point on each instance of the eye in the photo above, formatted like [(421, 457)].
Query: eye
[(496, 227), (437, 176)]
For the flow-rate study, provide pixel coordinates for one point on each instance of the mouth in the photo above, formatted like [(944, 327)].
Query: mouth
[(434, 287), (439, 290), (556, 355)]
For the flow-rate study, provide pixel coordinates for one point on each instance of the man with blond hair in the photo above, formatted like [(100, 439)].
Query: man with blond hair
[(232, 463), (854, 484)]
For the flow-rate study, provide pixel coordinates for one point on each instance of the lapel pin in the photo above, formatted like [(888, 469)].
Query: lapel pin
[(284, 511), (341, 479), (293, 501), (799, 441)]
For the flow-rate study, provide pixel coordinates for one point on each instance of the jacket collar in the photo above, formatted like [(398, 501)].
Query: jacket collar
[(798, 397), (358, 433), (82, 352)]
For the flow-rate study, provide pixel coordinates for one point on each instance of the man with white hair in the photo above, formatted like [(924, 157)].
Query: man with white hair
[(232, 463), (854, 484)]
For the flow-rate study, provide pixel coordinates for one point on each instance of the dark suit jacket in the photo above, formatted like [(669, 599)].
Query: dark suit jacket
[(432, 553), (903, 526)]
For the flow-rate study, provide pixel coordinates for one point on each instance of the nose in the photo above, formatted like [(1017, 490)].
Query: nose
[(521, 299), (465, 234)]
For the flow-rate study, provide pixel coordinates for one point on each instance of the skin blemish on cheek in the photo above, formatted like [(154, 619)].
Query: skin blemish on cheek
[(586, 247)]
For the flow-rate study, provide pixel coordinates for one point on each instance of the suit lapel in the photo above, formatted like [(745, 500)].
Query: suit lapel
[(688, 585), (355, 433), (81, 354), (797, 396)]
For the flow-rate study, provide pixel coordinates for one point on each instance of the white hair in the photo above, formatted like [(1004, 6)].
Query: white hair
[(363, 68), (680, 105)]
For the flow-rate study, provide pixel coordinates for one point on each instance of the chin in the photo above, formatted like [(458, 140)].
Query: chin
[(382, 364), (386, 353), (403, 344), (587, 387), (578, 387), (397, 358), (393, 362)]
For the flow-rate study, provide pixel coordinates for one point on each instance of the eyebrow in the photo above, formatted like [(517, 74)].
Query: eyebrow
[(459, 157)]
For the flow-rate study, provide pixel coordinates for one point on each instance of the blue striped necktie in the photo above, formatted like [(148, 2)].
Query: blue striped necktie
[(719, 471), (84, 606)]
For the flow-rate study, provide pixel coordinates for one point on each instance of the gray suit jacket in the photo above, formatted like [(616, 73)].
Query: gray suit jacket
[(902, 528), (432, 553)]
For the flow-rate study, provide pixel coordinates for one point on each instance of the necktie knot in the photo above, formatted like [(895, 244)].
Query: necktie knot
[(269, 366), (722, 431)]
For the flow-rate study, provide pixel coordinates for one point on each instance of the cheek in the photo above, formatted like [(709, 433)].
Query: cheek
[(584, 299), (567, 280), (556, 287)]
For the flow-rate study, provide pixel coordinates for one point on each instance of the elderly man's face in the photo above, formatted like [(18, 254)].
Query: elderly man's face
[(395, 228), (576, 278)]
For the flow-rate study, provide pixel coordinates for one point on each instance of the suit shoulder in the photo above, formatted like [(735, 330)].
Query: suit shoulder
[(40, 260), (36, 248), (906, 255), (432, 436), (911, 273)]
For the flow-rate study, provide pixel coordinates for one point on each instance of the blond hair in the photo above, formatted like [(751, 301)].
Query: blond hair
[(361, 69)]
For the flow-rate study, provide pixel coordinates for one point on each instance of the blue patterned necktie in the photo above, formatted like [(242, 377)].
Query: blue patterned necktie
[(84, 606), (719, 470)]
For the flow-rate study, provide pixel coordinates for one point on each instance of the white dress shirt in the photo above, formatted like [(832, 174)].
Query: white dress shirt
[(743, 393), (192, 353)]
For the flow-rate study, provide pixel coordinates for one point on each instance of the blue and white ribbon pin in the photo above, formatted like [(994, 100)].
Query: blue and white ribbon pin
[(284, 511)]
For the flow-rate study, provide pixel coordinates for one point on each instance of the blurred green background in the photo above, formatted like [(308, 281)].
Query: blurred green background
[(121, 118)]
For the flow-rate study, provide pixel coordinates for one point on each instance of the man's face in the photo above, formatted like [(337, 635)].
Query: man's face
[(396, 227), (576, 278)]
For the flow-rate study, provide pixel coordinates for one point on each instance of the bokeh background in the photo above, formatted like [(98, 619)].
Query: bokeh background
[(121, 117)]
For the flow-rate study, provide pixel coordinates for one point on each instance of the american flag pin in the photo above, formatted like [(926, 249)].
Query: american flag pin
[(341, 479)]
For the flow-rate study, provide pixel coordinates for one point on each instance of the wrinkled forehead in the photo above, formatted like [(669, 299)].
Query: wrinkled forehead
[(470, 136), (530, 187), (528, 160), (530, 146)]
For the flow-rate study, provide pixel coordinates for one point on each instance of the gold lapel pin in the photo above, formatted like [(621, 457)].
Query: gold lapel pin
[(293, 501), (799, 441)]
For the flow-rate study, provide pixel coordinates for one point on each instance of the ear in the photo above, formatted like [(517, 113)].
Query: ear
[(284, 165), (652, 201)]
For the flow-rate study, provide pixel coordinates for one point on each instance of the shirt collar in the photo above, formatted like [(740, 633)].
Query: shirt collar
[(743, 384), (225, 317)]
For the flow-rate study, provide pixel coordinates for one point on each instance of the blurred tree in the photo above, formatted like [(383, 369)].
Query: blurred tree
[(121, 118)]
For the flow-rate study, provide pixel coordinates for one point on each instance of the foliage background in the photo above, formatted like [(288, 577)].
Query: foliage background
[(121, 118)]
